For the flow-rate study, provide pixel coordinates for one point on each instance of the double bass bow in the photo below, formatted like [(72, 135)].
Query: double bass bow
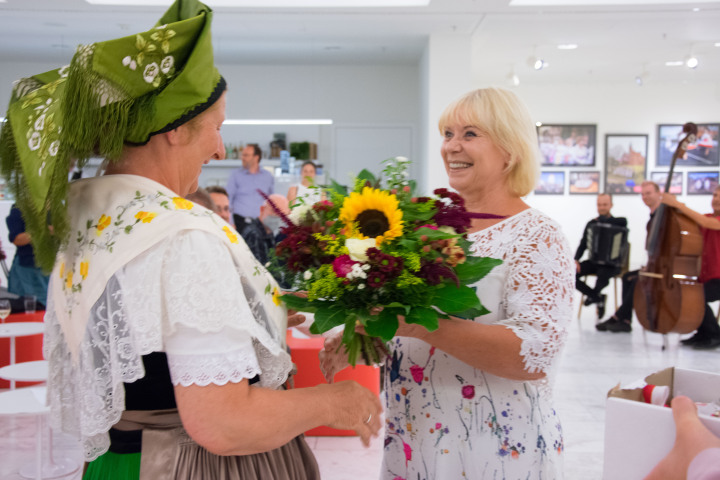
[(668, 296)]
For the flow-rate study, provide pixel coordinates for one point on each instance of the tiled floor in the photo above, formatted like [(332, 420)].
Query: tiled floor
[(593, 362)]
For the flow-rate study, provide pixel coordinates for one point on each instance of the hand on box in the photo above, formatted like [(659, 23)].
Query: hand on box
[(691, 438)]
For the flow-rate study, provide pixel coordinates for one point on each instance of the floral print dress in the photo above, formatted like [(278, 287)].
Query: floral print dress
[(447, 420)]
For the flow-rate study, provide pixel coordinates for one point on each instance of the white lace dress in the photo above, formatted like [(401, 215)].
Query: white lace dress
[(446, 420)]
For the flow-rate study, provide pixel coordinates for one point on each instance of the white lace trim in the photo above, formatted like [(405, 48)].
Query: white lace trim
[(205, 369), (188, 281), (538, 294)]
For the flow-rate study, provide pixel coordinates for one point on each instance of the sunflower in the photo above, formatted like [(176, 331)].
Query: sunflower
[(372, 214)]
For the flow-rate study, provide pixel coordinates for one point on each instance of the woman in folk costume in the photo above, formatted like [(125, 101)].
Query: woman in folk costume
[(164, 337)]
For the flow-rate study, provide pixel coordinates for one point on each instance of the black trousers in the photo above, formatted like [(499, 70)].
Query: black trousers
[(709, 327), (603, 272), (625, 310)]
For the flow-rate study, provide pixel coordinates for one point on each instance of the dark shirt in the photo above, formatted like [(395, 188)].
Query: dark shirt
[(257, 238), (16, 226), (615, 221)]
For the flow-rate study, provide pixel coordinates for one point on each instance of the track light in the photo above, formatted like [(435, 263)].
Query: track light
[(537, 63), (513, 79), (639, 80), (691, 61)]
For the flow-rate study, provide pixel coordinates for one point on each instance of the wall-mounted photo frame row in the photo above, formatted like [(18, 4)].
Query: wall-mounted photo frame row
[(569, 145), (587, 182)]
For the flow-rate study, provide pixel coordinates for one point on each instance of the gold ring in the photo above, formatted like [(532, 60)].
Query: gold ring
[(369, 418)]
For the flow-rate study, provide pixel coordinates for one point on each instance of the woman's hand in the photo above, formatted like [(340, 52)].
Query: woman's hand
[(355, 408), (333, 357), (294, 318)]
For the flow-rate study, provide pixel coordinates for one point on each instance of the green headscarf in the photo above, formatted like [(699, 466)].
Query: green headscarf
[(113, 93)]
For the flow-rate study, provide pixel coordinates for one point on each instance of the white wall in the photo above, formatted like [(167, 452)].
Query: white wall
[(619, 109)]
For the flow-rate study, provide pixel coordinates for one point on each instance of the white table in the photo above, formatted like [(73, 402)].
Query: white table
[(36, 371), (31, 401), (19, 329)]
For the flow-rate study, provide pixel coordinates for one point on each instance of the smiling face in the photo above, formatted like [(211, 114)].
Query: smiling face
[(472, 160), (205, 144), (651, 195)]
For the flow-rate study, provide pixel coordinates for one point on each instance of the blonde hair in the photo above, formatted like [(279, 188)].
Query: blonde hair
[(505, 119)]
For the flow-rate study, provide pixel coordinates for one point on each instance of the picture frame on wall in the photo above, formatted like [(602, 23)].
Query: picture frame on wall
[(567, 145), (625, 162), (584, 182), (552, 182), (676, 184), (701, 183), (703, 152)]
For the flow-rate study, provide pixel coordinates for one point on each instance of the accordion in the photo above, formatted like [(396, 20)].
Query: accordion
[(607, 244)]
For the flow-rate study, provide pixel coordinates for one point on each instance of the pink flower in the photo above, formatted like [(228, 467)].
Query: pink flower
[(417, 373), (431, 227), (438, 426), (343, 265), (468, 391)]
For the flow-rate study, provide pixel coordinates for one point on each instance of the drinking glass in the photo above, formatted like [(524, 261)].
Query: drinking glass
[(4, 309)]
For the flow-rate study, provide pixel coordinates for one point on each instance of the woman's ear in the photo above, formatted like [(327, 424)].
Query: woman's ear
[(178, 136)]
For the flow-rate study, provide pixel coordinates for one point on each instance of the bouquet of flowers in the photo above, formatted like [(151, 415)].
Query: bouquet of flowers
[(380, 247)]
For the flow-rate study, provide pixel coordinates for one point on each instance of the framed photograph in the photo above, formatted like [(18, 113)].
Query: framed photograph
[(567, 145), (676, 184), (551, 183), (701, 183), (702, 153), (581, 182), (625, 162)]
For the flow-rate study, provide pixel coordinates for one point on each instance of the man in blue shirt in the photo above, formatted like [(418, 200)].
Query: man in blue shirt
[(243, 186)]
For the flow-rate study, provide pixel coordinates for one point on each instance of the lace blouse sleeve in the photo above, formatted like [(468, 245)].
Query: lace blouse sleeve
[(207, 312), (538, 293)]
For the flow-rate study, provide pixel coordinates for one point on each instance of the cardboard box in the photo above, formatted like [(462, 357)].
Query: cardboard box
[(637, 434)]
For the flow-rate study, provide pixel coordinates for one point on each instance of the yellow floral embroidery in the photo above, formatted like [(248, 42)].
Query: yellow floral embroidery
[(182, 204), (276, 297), (103, 223), (84, 269), (146, 217), (62, 270), (228, 231), (68, 280)]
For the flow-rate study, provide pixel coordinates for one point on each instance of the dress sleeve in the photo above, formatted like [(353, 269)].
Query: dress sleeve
[(538, 293), (705, 465), (209, 334)]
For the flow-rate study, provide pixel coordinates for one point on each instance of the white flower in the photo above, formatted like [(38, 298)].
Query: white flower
[(402, 159), (361, 286), (151, 71), (307, 275), (133, 65), (126, 61), (356, 272), (34, 141), (40, 123), (53, 148), (63, 72), (298, 213), (366, 267), (166, 64), (357, 248)]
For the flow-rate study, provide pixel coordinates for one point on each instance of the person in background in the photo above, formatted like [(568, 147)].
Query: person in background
[(696, 452), (25, 278), (302, 193), (243, 186), (474, 398), (164, 335), (707, 335), (259, 233), (602, 272), (621, 320), (201, 197), (221, 200)]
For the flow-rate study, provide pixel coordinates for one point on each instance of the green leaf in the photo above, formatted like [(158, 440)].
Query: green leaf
[(327, 318), (472, 313), (427, 317), (451, 299), (475, 268), (385, 324), (336, 187), (300, 304), (368, 177)]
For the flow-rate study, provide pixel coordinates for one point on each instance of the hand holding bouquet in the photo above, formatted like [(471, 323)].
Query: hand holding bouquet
[(380, 247)]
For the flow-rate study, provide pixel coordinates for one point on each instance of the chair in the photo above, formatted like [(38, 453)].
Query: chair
[(623, 270)]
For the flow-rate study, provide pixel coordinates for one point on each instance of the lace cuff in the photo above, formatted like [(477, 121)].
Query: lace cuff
[(205, 369)]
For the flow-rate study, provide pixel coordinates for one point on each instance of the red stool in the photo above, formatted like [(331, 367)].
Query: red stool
[(27, 349), (304, 353)]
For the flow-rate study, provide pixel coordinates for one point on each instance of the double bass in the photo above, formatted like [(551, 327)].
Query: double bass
[(668, 297)]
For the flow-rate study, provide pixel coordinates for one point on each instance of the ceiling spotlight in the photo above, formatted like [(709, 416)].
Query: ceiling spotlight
[(513, 79), (691, 61), (639, 80), (539, 64)]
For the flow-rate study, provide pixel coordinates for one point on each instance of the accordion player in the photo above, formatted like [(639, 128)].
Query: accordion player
[(607, 244)]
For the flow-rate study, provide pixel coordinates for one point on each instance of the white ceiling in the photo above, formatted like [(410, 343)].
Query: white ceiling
[(615, 42)]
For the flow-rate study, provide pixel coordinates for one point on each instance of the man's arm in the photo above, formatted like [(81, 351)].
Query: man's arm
[(583, 242)]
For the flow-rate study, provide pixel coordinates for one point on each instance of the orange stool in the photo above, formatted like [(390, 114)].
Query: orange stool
[(304, 353)]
